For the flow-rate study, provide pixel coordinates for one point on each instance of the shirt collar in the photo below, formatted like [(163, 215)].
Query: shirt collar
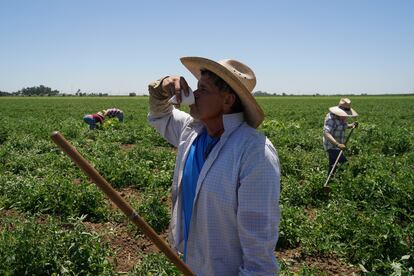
[(231, 121)]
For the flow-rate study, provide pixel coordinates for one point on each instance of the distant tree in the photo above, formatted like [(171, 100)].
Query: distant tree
[(38, 91), (261, 93), (132, 94), (2, 93)]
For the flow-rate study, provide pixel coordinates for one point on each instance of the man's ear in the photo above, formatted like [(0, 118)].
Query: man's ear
[(229, 100)]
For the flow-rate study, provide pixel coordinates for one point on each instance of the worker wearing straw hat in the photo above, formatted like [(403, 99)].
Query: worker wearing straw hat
[(336, 122), (225, 192)]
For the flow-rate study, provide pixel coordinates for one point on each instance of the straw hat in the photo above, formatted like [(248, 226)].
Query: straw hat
[(236, 74), (343, 109)]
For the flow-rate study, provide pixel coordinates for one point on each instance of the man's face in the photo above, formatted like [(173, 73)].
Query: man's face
[(209, 101), (343, 119)]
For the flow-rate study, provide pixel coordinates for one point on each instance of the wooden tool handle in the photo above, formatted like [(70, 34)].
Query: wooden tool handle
[(119, 201)]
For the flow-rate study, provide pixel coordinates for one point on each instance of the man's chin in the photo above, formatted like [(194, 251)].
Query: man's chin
[(194, 112)]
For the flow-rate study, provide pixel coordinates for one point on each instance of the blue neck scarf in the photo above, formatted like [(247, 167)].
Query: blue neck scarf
[(199, 151)]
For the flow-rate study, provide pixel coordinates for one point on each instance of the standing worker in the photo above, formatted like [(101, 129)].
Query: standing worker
[(98, 118), (334, 130), (226, 183)]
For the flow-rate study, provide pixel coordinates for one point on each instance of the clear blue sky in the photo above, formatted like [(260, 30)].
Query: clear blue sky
[(298, 47)]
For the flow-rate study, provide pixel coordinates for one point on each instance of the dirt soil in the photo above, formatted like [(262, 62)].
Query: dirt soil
[(129, 249), (330, 265), (129, 246)]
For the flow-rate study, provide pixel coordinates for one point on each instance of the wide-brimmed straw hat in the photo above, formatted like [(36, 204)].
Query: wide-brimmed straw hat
[(236, 74), (343, 109)]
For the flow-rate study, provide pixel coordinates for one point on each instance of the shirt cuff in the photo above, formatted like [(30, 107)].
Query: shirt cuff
[(158, 99)]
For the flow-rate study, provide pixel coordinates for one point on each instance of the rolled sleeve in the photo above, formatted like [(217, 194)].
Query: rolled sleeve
[(166, 119), (158, 99)]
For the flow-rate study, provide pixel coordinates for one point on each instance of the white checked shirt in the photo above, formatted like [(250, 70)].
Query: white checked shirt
[(112, 112), (336, 128), (234, 225)]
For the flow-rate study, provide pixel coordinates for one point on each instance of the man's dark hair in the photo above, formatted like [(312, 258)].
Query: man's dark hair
[(224, 87)]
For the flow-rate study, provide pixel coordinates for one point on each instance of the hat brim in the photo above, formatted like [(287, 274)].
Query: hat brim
[(342, 113), (253, 112)]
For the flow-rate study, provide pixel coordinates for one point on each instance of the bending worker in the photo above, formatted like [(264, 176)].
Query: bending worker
[(336, 122), (225, 192), (98, 118)]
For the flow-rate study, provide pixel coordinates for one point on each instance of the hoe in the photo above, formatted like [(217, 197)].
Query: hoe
[(326, 188), (119, 201)]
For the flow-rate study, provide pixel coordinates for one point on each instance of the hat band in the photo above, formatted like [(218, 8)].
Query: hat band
[(345, 108)]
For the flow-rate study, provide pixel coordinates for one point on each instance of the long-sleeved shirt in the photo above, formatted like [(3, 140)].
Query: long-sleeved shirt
[(235, 216), (336, 128), (97, 117)]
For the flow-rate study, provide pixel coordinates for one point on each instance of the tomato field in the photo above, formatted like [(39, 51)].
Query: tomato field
[(53, 220)]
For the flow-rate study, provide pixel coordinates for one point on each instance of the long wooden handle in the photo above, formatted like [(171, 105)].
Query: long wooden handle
[(119, 201), (333, 168), (349, 135)]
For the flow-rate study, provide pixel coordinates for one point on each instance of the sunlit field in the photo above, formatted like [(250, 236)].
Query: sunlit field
[(54, 220)]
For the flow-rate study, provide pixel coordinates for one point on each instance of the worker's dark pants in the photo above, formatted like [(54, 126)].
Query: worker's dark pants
[(332, 155)]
